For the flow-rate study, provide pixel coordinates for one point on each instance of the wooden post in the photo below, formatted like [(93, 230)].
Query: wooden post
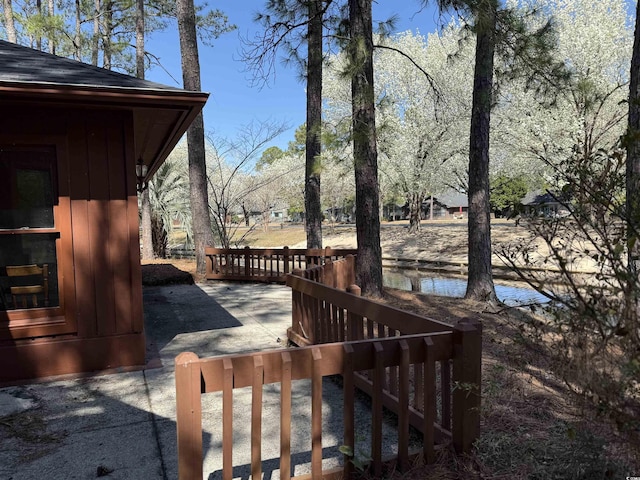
[(188, 416), (466, 383), (247, 262)]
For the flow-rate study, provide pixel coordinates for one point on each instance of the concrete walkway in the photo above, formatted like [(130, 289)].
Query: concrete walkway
[(122, 426)]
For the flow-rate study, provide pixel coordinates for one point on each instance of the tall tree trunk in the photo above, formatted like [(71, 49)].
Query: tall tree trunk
[(39, 32), (51, 41), (140, 38), (9, 21), (106, 37), (632, 143), (202, 234), (77, 39), (314, 124), (95, 40), (148, 247), (369, 264), (415, 210), (480, 281)]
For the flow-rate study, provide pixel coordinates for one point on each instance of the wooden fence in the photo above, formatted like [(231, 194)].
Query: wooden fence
[(407, 354), (426, 371), (321, 314), (265, 265)]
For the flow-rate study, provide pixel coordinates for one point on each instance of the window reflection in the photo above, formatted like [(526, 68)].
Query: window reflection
[(28, 258)]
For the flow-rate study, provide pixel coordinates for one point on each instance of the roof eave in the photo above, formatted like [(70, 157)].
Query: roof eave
[(97, 94)]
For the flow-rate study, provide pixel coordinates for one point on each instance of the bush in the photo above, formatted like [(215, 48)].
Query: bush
[(591, 327)]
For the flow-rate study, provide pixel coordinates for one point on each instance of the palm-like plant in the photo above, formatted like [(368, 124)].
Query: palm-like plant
[(169, 195)]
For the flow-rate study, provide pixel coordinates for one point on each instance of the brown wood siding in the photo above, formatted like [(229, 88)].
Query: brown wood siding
[(101, 289), (113, 271)]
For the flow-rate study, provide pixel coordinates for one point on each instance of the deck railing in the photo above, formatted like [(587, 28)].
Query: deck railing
[(426, 371), (265, 264), (321, 314), (407, 354)]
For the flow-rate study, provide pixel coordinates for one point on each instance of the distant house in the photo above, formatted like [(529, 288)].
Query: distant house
[(544, 203), (450, 204), (76, 142)]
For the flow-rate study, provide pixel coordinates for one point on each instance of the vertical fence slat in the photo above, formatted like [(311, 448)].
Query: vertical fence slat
[(376, 407), (429, 411), (256, 417), (445, 393), (285, 418), (227, 420), (285, 255), (188, 416), (348, 409), (355, 322), (316, 416), (403, 408)]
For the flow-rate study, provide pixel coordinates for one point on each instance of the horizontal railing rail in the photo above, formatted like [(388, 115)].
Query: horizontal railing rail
[(265, 264), (195, 376)]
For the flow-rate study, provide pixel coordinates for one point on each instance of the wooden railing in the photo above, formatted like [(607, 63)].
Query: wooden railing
[(407, 354), (340, 274), (321, 314), (265, 265)]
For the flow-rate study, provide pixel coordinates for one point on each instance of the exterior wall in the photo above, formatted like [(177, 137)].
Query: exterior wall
[(100, 279)]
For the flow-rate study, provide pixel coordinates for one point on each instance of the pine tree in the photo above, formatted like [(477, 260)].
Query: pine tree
[(201, 221), (365, 156)]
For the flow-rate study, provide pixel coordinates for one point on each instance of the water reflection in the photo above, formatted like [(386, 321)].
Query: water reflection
[(456, 287)]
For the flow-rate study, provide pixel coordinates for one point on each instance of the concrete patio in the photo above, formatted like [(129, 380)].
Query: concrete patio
[(122, 425)]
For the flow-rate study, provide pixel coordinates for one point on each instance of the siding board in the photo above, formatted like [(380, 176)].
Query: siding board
[(119, 229), (79, 192)]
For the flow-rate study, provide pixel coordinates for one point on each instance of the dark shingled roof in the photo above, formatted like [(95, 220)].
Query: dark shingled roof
[(20, 64), (452, 199)]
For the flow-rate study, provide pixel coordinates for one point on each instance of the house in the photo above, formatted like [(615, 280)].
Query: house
[(449, 204), (73, 138), (544, 203)]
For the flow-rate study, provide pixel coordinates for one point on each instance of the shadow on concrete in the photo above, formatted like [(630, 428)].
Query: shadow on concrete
[(272, 465), (177, 309)]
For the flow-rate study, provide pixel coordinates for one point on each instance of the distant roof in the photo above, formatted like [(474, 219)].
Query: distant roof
[(452, 199), (19, 64), (539, 197)]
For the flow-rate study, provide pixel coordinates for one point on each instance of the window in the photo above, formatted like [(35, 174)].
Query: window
[(28, 233)]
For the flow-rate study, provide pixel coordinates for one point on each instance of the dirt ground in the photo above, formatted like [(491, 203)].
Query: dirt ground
[(533, 427), (437, 240)]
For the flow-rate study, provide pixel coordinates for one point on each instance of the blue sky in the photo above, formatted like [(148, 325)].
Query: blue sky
[(233, 102)]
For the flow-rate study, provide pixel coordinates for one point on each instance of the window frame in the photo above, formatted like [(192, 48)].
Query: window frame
[(60, 319)]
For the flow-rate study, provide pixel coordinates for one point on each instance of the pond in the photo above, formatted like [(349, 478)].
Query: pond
[(455, 287)]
